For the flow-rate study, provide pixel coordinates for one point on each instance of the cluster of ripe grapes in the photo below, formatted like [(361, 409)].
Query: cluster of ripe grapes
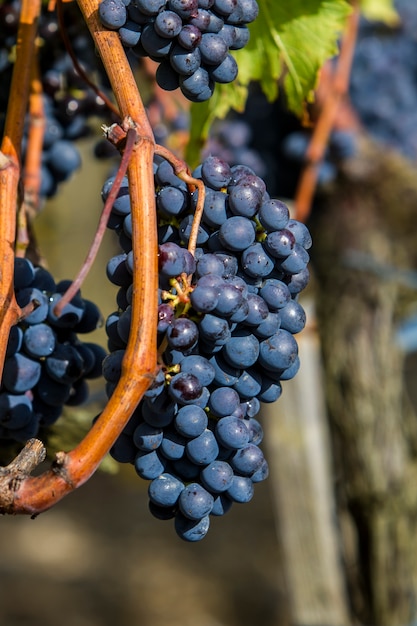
[(227, 318)]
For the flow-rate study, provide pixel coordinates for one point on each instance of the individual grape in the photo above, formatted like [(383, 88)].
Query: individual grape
[(15, 410), (226, 71), (223, 401), (166, 77), (168, 24), (241, 490), (65, 364), (20, 373), (164, 490), (154, 44), (171, 201), (247, 460), (195, 502), (189, 37), (24, 273), (202, 450), (146, 437), (185, 388), (274, 215), (293, 317), (191, 530), (184, 61), (191, 421), (279, 351), (221, 505), (249, 383), (256, 261), (214, 329), (224, 374), (172, 445), (232, 432), (112, 13), (225, 7), (14, 343), (182, 334), (280, 243), (297, 261), (275, 293), (63, 159), (246, 11), (217, 476), (130, 34), (39, 340), (301, 233), (237, 233), (197, 87), (216, 173), (38, 299), (213, 48), (215, 208), (242, 349), (149, 464), (200, 367)]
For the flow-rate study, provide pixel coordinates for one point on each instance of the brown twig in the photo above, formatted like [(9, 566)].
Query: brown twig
[(139, 367), (321, 133)]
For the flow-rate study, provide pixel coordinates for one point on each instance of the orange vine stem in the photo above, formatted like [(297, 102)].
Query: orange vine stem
[(32, 167), (319, 140), (10, 166), (70, 470)]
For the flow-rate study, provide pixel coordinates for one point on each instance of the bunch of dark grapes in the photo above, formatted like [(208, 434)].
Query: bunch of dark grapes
[(47, 366), (227, 318), (190, 39)]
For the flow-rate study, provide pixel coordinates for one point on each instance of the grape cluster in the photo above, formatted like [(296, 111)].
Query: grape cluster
[(227, 317), (190, 39), (46, 364)]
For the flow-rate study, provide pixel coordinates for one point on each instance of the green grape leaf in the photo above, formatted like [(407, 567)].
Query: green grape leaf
[(290, 41), (380, 10)]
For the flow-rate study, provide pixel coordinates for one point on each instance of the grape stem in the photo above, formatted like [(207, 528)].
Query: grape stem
[(182, 171), (70, 470), (325, 123)]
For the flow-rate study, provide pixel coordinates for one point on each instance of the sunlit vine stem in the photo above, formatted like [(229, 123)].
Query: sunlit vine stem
[(10, 166), (70, 470), (319, 140)]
